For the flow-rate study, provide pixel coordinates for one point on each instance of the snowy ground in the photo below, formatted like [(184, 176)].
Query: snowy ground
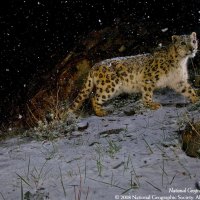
[(115, 157)]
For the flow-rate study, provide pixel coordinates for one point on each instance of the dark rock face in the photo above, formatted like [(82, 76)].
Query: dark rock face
[(36, 35)]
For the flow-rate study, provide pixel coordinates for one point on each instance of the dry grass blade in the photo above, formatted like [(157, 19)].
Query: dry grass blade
[(154, 186), (113, 185), (61, 180), (2, 196), (22, 191), (148, 145), (22, 179), (173, 179)]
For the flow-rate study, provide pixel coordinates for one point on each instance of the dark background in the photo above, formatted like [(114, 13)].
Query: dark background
[(36, 34)]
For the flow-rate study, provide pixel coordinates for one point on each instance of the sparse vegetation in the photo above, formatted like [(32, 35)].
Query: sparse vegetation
[(54, 129), (113, 148)]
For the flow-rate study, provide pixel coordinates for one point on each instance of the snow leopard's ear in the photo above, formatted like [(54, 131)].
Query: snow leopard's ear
[(193, 35), (174, 38)]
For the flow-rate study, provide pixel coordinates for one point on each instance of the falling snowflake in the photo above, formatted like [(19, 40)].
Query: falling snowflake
[(100, 22), (164, 30), (20, 116)]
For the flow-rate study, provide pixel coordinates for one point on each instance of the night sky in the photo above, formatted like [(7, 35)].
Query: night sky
[(36, 34)]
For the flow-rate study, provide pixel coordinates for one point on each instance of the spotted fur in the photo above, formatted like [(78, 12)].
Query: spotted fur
[(144, 73)]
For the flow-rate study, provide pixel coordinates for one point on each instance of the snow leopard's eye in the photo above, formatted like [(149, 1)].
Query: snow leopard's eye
[(194, 41), (183, 43)]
